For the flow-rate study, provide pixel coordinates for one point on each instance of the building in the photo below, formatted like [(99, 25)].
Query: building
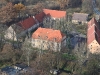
[(48, 13), (21, 67), (48, 39), (19, 31), (18, 69), (79, 18), (8, 70), (54, 14), (22, 28), (93, 36), (53, 18), (16, 31), (77, 39), (39, 18)]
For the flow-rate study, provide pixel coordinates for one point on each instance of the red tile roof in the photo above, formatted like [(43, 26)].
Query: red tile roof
[(55, 13), (48, 34), (91, 22), (93, 32), (40, 16), (91, 38), (27, 23)]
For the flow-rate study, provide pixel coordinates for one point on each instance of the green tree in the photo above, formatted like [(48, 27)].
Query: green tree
[(87, 6)]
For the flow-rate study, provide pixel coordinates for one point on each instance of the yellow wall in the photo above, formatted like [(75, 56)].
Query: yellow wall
[(94, 47), (48, 45)]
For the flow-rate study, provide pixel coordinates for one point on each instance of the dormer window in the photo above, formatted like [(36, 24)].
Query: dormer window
[(55, 39), (46, 37), (38, 36)]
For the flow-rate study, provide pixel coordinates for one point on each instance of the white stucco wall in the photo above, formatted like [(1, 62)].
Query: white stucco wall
[(10, 34), (76, 22)]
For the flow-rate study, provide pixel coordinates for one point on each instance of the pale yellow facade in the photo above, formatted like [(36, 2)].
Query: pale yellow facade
[(94, 47), (49, 45)]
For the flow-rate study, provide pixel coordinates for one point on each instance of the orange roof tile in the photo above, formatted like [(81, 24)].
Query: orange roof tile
[(27, 23), (55, 13), (48, 34)]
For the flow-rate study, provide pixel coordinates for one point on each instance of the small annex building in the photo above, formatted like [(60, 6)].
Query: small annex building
[(79, 18)]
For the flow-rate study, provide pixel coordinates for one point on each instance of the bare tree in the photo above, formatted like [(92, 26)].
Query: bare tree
[(27, 50), (7, 53), (63, 3), (7, 13), (47, 62), (81, 52), (2, 33), (35, 9)]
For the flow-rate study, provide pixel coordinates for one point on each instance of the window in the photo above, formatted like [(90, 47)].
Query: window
[(37, 40), (48, 47), (55, 39), (58, 46), (33, 44), (52, 45), (42, 46), (43, 41), (46, 37), (38, 36), (33, 40)]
